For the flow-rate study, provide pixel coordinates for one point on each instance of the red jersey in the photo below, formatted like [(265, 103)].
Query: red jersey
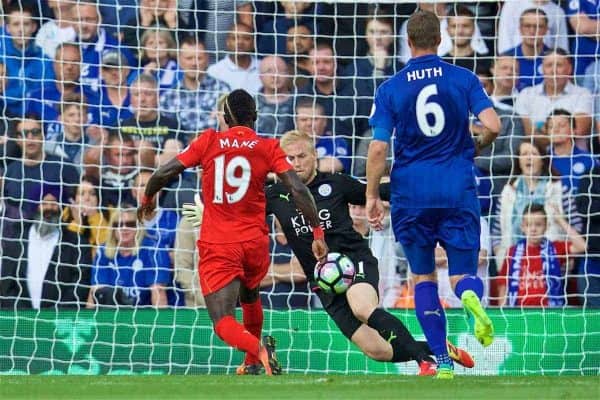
[(235, 165), (532, 282)]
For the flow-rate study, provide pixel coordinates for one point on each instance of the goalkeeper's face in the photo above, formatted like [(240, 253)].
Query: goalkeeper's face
[(303, 157)]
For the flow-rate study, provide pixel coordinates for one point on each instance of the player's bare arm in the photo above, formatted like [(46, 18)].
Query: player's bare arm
[(306, 204), (375, 169), (486, 134), (158, 180)]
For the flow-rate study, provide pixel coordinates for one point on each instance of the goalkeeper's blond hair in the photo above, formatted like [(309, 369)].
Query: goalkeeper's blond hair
[(296, 136)]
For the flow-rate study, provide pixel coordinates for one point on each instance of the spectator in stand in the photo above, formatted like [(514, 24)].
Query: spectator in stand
[(345, 112), (26, 67), (533, 25), (158, 56), (379, 63), (509, 35), (584, 20), (534, 104), (461, 28), (114, 96), (505, 71), (495, 162), (48, 266), (130, 265), (333, 153), (152, 14), (274, 102), (151, 131), (70, 142), (220, 15), (588, 205), (45, 102), (298, 45), (23, 175), (532, 184), (441, 10), (531, 274), (61, 29), (94, 42), (239, 68), (567, 158), (115, 13), (195, 95), (118, 170), (84, 216), (271, 37)]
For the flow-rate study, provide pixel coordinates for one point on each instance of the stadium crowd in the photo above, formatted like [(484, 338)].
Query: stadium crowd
[(95, 95)]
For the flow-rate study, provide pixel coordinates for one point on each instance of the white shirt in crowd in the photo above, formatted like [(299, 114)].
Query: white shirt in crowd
[(533, 102), (237, 78), (39, 254), (508, 25), (477, 42)]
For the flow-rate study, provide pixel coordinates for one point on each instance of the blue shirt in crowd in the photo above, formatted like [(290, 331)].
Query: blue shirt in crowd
[(530, 69), (572, 167), (134, 274)]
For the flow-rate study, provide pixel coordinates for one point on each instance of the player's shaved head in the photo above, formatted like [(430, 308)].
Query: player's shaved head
[(423, 30), (240, 109)]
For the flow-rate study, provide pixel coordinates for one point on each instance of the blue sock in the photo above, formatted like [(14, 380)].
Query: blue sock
[(432, 318), (469, 282)]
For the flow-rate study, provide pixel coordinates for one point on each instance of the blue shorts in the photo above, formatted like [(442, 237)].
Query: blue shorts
[(457, 230)]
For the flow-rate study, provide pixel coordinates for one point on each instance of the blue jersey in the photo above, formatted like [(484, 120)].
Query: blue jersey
[(572, 168), (134, 274), (584, 47), (427, 104), (530, 69)]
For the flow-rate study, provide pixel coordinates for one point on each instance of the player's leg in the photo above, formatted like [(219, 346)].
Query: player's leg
[(221, 306), (363, 299), (460, 236), (416, 229), (428, 308), (221, 274), (256, 260), (468, 287), (252, 316)]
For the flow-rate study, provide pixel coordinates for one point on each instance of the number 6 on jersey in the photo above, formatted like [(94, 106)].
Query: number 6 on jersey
[(423, 108), (228, 173)]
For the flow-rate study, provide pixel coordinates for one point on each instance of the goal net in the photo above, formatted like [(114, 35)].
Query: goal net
[(95, 96)]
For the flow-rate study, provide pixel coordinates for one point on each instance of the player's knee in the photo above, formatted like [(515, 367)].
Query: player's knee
[(417, 278), (249, 295), (362, 312)]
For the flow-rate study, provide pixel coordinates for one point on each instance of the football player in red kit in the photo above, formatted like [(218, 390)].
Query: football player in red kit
[(234, 245)]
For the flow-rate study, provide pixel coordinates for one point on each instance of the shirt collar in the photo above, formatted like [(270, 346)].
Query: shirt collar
[(234, 67), (424, 59)]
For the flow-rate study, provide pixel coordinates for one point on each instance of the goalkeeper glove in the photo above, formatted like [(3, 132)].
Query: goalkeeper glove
[(193, 212)]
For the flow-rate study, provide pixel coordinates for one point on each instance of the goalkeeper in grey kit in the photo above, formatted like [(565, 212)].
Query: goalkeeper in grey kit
[(378, 334)]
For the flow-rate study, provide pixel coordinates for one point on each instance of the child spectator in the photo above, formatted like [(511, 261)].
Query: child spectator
[(70, 142), (531, 275), (158, 56)]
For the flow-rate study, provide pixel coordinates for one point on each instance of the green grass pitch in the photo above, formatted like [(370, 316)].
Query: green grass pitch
[(296, 386)]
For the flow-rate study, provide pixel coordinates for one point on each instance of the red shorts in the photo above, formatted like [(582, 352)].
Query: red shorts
[(222, 263)]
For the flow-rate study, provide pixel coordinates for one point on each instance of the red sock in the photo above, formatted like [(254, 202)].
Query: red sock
[(233, 333), (252, 314)]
